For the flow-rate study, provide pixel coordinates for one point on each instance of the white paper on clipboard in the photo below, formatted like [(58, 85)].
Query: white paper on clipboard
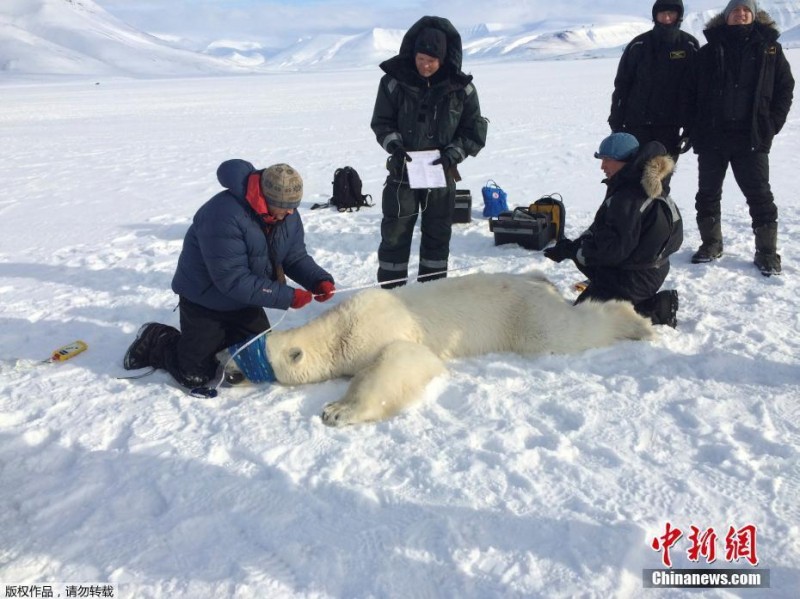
[(422, 174)]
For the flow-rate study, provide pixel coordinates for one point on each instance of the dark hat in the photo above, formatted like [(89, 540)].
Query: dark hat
[(751, 5), (282, 186), (618, 146), (668, 5), (432, 42)]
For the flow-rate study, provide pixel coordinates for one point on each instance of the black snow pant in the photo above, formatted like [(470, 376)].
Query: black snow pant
[(635, 285), (401, 206), (190, 355), (751, 171)]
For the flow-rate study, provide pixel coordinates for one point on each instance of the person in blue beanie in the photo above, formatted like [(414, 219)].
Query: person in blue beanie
[(625, 251)]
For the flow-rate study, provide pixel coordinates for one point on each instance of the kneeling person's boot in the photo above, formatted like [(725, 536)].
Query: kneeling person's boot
[(767, 258), (662, 308), (710, 249), (149, 339)]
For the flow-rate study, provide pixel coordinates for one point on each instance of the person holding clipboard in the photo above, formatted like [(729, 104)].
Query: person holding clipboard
[(424, 103)]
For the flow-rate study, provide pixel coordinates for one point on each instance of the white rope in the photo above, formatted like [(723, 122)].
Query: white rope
[(345, 290), (238, 351), (424, 204), (212, 391), (403, 279)]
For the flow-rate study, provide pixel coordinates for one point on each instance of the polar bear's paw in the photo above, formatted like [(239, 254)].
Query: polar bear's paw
[(339, 413), (394, 380)]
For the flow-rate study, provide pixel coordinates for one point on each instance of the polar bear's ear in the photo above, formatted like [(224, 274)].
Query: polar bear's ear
[(295, 355)]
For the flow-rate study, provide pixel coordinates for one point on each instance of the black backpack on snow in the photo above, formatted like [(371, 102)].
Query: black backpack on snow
[(347, 194)]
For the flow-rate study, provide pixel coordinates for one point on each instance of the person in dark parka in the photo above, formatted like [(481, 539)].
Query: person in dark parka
[(625, 251), (237, 253), (424, 102), (649, 98), (744, 89)]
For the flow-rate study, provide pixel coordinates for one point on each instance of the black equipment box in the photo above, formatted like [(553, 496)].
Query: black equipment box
[(463, 208), (531, 230)]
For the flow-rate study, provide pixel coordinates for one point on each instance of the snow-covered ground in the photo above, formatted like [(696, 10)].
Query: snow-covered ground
[(514, 477)]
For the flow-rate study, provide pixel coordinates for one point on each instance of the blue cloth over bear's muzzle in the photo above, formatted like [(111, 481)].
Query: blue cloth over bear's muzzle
[(253, 361)]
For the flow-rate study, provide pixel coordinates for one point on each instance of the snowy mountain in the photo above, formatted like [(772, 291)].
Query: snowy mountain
[(555, 39), (541, 40), (547, 39), (340, 51), (77, 37)]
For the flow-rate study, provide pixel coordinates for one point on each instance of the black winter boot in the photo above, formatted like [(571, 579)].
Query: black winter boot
[(425, 273), (767, 258), (150, 335), (710, 249), (662, 308), (389, 279), (666, 311)]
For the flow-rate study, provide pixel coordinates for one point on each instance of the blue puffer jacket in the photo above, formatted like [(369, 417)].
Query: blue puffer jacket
[(225, 261)]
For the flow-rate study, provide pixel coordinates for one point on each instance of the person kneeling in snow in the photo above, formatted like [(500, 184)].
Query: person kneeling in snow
[(237, 253), (625, 252)]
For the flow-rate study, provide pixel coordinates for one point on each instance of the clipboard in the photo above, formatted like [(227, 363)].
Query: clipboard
[(422, 173)]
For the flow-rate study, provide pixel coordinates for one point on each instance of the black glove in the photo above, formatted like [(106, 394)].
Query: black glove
[(685, 144), (563, 250), (447, 160), (396, 163), (399, 153)]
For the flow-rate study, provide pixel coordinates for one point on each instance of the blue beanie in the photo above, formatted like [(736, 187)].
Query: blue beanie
[(617, 146)]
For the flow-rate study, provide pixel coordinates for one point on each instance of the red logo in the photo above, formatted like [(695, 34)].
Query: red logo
[(739, 544)]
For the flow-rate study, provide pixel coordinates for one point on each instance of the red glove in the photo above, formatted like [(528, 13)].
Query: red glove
[(301, 298), (324, 291)]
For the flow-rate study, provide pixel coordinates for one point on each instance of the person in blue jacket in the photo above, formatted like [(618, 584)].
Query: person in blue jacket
[(237, 254)]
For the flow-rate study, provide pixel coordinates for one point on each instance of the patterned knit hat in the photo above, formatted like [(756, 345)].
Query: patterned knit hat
[(750, 4), (282, 186)]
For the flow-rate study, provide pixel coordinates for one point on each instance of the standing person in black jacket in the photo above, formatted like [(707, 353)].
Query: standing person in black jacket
[(625, 251), (424, 102), (744, 92), (649, 99)]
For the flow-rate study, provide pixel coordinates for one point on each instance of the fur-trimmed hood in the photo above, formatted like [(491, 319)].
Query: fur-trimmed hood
[(654, 171), (650, 167), (762, 20), (402, 66)]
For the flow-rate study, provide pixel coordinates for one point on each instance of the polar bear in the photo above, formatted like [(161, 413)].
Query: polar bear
[(394, 342)]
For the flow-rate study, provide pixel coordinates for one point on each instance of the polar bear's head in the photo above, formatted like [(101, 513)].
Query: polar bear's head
[(297, 358), (310, 353), (341, 341)]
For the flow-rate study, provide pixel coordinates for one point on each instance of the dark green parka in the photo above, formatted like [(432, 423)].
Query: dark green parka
[(726, 66), (441, 112)]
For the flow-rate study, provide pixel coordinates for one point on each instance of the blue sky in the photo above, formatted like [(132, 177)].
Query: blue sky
[(278, 22)]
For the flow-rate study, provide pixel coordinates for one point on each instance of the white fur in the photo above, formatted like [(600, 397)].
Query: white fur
[(394, 342)]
